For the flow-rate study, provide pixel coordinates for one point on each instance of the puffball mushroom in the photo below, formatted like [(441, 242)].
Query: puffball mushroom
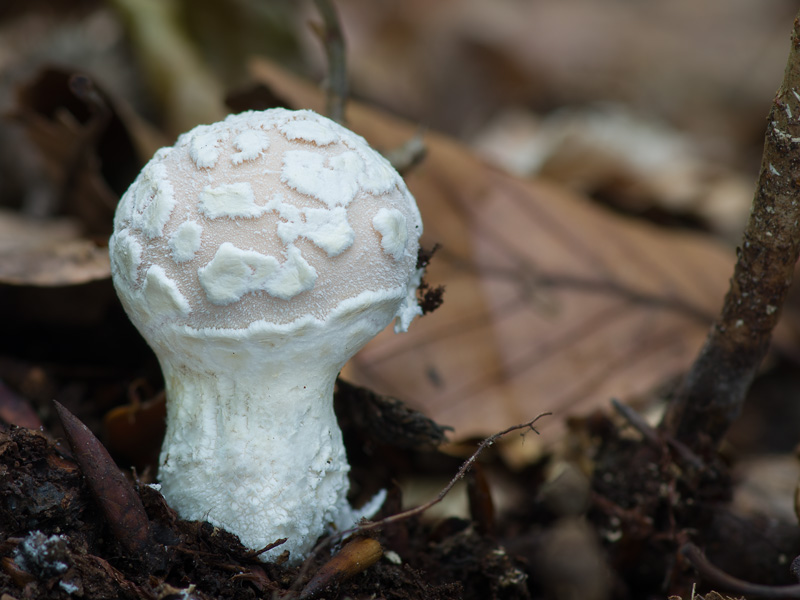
[(256, 256)]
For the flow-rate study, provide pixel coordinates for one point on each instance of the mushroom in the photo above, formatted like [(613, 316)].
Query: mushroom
[(256, 256)]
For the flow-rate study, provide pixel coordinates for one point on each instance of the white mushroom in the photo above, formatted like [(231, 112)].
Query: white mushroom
[(256, 256)]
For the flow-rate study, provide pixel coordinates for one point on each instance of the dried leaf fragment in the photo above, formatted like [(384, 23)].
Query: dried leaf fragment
[(481, 504), (355, 557), (135, 430), (119, 502)]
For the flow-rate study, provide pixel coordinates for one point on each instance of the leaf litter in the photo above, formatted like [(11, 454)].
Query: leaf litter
[(550, 303)]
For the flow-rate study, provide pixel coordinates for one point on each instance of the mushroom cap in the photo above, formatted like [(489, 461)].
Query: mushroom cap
[(266, 219)]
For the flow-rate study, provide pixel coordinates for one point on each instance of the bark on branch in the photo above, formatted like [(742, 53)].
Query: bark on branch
[(714, 390)]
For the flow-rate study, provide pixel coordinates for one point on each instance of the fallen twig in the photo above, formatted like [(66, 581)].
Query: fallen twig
[(417, 510)]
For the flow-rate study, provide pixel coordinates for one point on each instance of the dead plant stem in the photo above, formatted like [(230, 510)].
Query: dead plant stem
[(714, 389)]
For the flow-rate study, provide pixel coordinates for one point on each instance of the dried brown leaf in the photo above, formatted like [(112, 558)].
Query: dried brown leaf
[(481, 504), (552, 303), (119, 502), (135, 431), (356, 556)]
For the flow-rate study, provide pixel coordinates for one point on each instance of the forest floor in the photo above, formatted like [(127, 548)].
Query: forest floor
[(585, 180)]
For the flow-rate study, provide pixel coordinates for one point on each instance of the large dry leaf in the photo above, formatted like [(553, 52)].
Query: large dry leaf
[(552, 304)]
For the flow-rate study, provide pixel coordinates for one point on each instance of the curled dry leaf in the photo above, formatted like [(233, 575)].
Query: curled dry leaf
[(552, 304), (355, 557), (117, 499)]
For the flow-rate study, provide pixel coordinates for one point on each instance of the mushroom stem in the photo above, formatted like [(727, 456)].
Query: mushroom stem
[(256, 405), (258, 424)]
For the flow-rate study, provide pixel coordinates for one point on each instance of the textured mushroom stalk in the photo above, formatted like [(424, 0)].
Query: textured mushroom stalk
[(256, 256)]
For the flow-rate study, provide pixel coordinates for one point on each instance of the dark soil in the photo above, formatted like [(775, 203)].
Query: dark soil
[(56, 541)]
